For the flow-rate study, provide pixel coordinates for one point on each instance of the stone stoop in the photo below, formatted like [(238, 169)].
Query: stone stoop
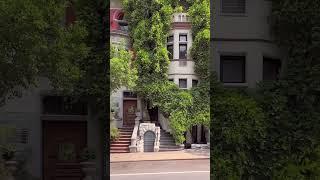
[(122, 144), (167, 142)]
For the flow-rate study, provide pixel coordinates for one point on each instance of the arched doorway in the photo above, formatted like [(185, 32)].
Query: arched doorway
[(149, 138)]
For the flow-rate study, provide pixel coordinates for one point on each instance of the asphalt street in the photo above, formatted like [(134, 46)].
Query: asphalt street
[(159, 170)]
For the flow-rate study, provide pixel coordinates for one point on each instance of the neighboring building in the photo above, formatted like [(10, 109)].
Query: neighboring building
[(126, 103), (242, 44), (51, 130)]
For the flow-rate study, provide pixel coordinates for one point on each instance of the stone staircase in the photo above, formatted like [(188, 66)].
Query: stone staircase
[(167, 142), (122, 144)]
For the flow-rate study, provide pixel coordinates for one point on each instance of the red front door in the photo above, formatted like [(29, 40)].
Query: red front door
[(62, 143), (129, 112)]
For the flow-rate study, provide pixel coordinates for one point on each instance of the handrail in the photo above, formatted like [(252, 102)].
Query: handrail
[(134, 135), (157, 140), (133, 146)]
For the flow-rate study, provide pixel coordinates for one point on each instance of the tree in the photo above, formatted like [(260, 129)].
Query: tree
[(34, 42), (122, 71)]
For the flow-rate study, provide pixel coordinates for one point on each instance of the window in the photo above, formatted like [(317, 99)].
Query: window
[(64, 105), (129, 94), (183, 83), (170, 46), (183, 38), (232, 69), (170, 39), (194, 82), (171, 80), (233, 6), (182, 51), (271, 68), (170, 51)]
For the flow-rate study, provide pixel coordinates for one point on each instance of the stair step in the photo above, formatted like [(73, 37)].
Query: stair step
[(124, 139), (119, 151), (125, 136), (119, 148), (120, 142), (125, 130), (120, 145)]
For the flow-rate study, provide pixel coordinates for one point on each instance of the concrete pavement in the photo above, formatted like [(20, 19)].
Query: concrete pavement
[(159, 170), (156, 156)]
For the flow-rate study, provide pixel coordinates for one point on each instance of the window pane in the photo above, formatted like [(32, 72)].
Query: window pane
[(232, 69), (183, 51), (170, 39), (170, 51), (233, 6), (182, 83), (183, 37), (63, 105), (194, 83), (271, 68), (171, 80)]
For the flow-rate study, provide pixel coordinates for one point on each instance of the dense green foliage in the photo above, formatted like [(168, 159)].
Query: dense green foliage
[(238, 135), (293, 104), (199, 12), (34, 42), (114, 133), (122, 72)]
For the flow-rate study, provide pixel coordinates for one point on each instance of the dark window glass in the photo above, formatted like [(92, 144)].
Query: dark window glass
[(129, 94), (271, 69), (183, 83), (170, 39), (182, 51), (183, 37), (233, 6), (232, 69), (64, 106), (171, 80), (194, 83), (170, 51)]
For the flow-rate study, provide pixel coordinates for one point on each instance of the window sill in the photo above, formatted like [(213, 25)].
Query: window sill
[(235, 84)]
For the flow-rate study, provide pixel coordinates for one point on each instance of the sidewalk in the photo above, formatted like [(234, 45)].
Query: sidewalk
[(161, 156)]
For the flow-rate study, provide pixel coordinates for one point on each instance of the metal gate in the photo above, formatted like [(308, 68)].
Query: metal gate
[(149, 138)]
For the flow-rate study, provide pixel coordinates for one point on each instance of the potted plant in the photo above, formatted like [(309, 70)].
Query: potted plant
[(8, 154), (87, 157)]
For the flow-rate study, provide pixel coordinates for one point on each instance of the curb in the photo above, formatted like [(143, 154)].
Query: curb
[(177, 159)]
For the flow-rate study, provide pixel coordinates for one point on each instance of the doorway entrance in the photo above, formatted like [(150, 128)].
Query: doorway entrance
[(129, 112), (62, 144)]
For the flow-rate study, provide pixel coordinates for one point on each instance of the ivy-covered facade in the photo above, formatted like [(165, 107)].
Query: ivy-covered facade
[(169, 89)]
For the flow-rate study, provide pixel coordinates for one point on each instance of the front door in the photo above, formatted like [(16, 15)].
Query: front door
[(62, 143), (129, 112)]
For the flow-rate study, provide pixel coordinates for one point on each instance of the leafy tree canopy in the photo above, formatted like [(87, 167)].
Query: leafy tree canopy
[(35, 42)]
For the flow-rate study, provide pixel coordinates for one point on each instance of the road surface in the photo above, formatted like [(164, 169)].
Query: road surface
[(160, 170)]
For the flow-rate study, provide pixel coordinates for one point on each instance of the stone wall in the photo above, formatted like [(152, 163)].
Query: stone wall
[(143, 128)]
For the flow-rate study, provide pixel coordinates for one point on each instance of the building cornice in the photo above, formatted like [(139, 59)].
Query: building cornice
[(181, 25)]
